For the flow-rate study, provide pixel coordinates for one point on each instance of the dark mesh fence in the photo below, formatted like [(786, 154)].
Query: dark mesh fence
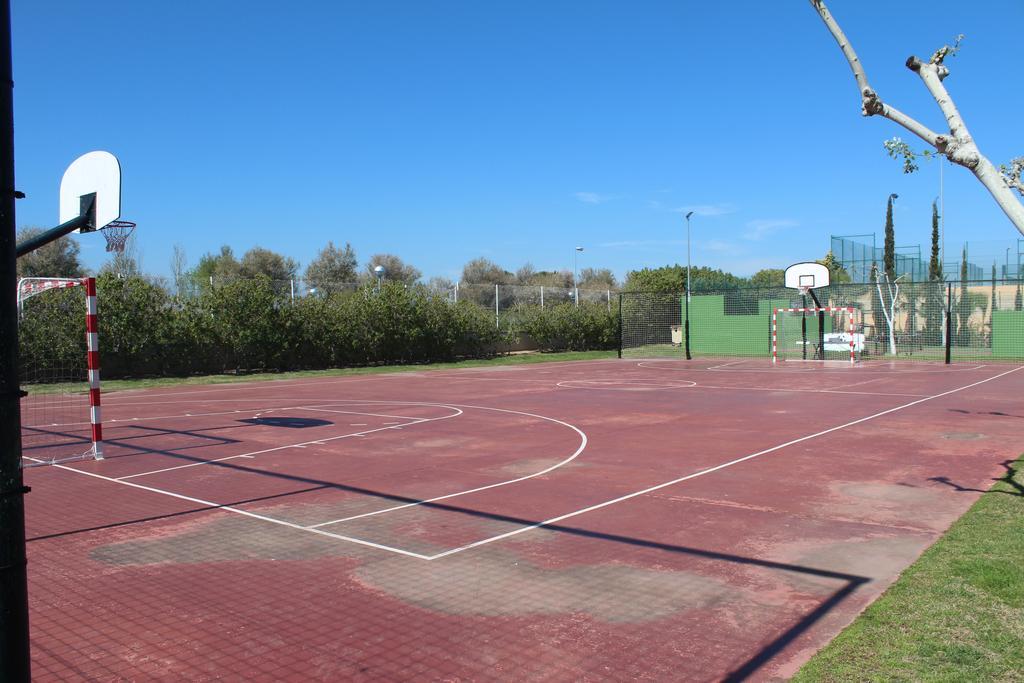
[(969, 321)]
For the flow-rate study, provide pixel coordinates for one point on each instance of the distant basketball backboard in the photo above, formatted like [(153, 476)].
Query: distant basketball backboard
[(96, 173), (804, 276)]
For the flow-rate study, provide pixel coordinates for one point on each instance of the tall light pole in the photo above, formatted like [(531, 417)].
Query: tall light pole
[(575, 286), (942, 215), (686, 329), (688, 256)]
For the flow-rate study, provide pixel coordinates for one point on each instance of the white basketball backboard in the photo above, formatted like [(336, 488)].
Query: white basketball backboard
[(809, 275), (96, 173)]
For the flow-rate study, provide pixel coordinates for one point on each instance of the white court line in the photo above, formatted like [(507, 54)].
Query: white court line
[(132, 421), (180, 467), (709, 470), (353, 412), (246, 513), (303, 444), (867, 381), (862, 368), (579, 449), (420, 373), (813, 391), (313, 529), (725, 365)]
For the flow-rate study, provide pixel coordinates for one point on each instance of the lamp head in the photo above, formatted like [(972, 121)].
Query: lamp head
[(688, 215)]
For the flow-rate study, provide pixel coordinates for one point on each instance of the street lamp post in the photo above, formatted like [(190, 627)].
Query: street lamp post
[(575, 286), (686, 330)]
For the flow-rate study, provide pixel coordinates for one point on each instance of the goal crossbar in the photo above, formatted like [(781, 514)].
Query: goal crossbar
[(847, 312)]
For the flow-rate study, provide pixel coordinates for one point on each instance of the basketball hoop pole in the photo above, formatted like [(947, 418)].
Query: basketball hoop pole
[(84, 222), (821, 325)]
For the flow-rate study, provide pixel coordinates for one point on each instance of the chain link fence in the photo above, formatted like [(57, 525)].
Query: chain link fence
[(928, 321), (501, 299)]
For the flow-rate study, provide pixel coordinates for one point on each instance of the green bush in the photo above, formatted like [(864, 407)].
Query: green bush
[(566, 327), (247, 325)]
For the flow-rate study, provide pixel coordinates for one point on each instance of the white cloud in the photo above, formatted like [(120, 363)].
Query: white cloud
[(591, 197), (761, 228)]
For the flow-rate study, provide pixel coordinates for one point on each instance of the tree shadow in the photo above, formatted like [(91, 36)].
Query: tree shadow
[(1008, 478), (849, 583), (997, 413)]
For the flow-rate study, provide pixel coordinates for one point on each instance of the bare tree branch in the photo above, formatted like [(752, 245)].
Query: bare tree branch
[(958, 146), (871, 103)]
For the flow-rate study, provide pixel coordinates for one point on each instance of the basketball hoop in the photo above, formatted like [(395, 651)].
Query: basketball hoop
[(117, 233)]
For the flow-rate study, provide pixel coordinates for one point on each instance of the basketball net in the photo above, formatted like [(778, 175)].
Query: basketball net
[(117, 233)]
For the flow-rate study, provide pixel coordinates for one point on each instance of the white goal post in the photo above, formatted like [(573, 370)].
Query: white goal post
[(844, 340), (59, 405)]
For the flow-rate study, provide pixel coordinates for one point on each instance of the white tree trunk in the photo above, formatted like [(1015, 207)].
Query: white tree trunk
[(889, 309), (957, 146)]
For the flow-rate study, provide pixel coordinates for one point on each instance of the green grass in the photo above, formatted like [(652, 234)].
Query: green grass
[(514, 359), (957, 614)]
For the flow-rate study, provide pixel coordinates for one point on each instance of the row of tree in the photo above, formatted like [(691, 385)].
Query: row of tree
[(246, 325), (333, 265)]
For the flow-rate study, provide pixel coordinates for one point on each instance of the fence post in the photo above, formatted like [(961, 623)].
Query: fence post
[(686, 326), (620, 324), (496, 322), (949, 320)]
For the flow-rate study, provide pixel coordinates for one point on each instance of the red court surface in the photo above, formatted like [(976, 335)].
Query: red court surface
[(599, 520)]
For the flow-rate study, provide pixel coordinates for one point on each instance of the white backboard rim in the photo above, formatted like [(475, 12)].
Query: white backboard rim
[(98, 172), (809, 275)]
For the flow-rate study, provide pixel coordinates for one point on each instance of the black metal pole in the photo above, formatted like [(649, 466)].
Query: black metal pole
[(620, 324), (14, 644), (949, 321), (820, 353), (44, 238), (686, 324), (803, 326)]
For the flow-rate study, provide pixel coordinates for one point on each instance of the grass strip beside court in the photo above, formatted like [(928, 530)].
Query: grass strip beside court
[(957, 614)]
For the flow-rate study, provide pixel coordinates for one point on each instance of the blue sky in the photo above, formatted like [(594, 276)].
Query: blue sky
[(448, 130)]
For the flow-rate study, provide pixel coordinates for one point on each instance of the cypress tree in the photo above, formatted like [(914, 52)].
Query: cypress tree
[(992, 305), (889, 254), (963, 310), (935, 265)]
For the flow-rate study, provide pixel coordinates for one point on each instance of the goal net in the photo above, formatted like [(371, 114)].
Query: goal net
[(59, 371), (828, 333), (651, 324)]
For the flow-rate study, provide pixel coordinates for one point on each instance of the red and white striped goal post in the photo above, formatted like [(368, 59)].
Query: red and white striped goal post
[(849, 310), (29, 287)]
